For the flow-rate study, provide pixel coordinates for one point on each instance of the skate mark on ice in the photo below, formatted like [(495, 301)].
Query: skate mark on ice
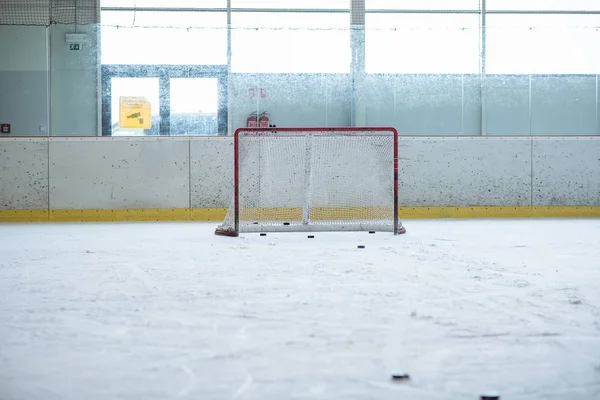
[(432, 319), (521, 283), (147, 281), (481, 335), (545, 334), (244, 388), (193, 379), (573, 296)]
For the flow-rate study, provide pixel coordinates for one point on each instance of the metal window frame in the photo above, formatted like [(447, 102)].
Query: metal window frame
[(164, 73)]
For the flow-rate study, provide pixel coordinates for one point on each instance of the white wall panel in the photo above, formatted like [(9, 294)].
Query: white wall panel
[(23, 48), (23, 174), (211, 172), (152, 172), (465, 171), (119, 173), (566, 171)]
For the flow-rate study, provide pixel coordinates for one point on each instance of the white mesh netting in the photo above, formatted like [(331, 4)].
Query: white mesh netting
[(314, 181)]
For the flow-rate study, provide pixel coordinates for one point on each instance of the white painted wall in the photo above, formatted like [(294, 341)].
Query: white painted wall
[(23, 48), (120, 173), (24, 79), (465, 171), (566, 171), (211, 172), (155, 172), (23, 174)]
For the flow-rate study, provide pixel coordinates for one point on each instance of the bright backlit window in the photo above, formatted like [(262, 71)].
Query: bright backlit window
[(422, 4), (282, 4), (290, 42), (422, 43), (151, 37), (543, 44), (543, 5), (165, 3)]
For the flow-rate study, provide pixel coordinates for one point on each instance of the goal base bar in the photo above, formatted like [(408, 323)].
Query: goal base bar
[(320, 226), (226, 232)]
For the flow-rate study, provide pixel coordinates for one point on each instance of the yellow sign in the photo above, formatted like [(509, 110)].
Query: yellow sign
[(134, 113)]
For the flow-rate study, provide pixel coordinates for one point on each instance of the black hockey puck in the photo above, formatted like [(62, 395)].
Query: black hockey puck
[(361, 246), (286, 223), (400, 377), (490, 396), (311, 237), (263, 234), (371, 231)]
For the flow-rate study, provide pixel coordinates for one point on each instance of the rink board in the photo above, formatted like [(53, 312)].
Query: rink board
[(190, 178)]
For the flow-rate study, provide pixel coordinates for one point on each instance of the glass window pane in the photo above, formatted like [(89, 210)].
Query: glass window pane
[(150, 37), (290, 42), (543, 44), (422, 43), (543, 5), (422, 4), (282, 4), (194, 106), (165, 3)]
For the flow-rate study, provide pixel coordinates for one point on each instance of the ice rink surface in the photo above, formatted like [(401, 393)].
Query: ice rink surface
[(146, 311)]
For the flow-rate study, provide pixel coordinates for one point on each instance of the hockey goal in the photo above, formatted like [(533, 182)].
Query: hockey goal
[(314, 179)]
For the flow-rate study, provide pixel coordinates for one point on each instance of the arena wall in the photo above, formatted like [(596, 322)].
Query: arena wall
[(190, 178)]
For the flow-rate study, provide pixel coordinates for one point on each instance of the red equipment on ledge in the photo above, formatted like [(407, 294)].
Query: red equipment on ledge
[(263, 121), (252, 121)]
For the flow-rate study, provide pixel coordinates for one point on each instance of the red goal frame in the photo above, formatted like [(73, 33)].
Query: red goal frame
[(338, 130)]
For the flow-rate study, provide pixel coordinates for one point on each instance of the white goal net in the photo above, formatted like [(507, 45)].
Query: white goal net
[(314, 179)]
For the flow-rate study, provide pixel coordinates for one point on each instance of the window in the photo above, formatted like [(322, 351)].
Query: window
[(543, 5), (151, 37), (290, 42), (283, 4), (543, 44), (422, 4), (165, 3), (423, 43)]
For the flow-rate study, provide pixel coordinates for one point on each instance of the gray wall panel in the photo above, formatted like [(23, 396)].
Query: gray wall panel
[(378, 95), (74, 83), (211, 172), (431, 105), (507, 105), (465, 171), (563, 105), (566, 171), (24, 102), (23, 48), (23, 174), (472, 105), (119, 173), (74, 103)]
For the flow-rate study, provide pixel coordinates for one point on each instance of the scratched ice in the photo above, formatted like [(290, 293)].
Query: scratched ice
[(171, 311)]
